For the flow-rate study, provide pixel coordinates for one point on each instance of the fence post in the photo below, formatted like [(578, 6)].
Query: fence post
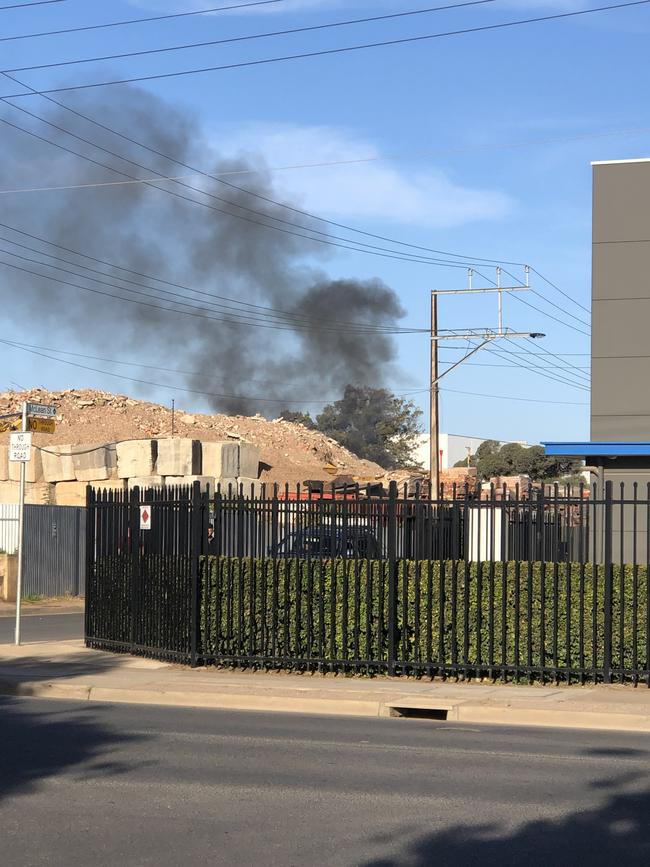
[(196, 544), (134, 537), (608, 585), (392, 576), (89, 586)]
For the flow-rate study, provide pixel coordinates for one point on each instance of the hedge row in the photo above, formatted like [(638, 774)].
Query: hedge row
[(478, 617)]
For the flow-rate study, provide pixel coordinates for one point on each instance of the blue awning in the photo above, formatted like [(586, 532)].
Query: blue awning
[(597, 450)]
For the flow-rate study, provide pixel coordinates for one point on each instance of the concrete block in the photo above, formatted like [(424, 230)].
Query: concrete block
[(225, 484), (144, 482), (256, 486), (204, 481), (33, 468), (8, 577), (74, 493), (36, 493), (136, 458), (97, 465), (4, 463), (249, 460), (58, 465), (221, 460), (178, 457)]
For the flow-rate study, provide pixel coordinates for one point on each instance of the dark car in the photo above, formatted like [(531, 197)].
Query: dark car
[(326, 541)]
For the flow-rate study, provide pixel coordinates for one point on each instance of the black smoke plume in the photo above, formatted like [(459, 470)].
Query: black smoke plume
[(314, 347)]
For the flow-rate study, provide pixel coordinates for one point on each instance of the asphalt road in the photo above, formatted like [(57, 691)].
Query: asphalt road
[(122, 785), (43, 627)]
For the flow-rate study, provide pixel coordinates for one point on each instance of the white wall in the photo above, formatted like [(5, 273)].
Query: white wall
[(452, 446)]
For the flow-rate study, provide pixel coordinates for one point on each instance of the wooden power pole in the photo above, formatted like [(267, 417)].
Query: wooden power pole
[(434, 430)]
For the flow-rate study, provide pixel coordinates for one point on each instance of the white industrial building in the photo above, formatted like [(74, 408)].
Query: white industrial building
[(453, 448)]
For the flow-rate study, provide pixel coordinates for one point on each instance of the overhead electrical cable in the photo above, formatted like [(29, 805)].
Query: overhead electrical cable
[(264, 214), (32, 3), (188, 310), (257, 195), (333, 51), (349, 162), (128, 21), (248, 37), (24, 348), (264, 308), (349, 244), (553, 304), (295, 321), (561, 376)]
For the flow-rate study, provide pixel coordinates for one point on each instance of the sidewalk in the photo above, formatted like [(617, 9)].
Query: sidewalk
[(46, 606), (69, 670)]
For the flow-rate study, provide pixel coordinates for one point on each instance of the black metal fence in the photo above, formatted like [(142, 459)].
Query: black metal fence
[(549, 588)]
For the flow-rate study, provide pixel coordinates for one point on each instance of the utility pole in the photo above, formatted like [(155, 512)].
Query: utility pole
[(21, 530), (484, 335), (434, 424)]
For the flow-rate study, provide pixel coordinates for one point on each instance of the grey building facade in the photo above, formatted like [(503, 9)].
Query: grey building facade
[(620, 351)]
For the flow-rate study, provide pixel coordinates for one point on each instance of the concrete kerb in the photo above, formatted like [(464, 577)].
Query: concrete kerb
[(139, 681)]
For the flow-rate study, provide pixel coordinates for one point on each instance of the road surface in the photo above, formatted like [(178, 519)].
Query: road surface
[(43, 627), (85, 783)]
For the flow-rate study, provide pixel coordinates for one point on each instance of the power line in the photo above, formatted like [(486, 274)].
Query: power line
[(373, 250), (349, 162), (129, 21), (510, 397), (24, 348), (33, 3), (552, 376), (247, 317), (561, 376), (243, 190), (371, 328), (550, 316), (190, 308), (168, 386), (248, 37), (552, 303), (333, 51), (567, 364), (371, 247), (550, 283)]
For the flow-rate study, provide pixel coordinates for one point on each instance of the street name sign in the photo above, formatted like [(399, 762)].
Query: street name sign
[(41, 410), (20, 447)]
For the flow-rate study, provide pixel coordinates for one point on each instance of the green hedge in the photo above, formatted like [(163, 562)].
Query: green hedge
[(449, 614)]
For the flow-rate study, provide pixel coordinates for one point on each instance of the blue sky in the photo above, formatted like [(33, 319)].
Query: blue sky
[(478, 144)]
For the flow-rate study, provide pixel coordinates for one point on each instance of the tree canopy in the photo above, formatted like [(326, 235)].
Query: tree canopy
[(373, 423), (513, 459)]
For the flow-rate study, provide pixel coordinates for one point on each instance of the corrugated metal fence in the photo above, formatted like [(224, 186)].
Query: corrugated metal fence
[(55, 545), (8, 527)]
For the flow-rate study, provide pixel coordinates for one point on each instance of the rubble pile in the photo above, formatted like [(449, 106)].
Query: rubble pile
[(288, 452)]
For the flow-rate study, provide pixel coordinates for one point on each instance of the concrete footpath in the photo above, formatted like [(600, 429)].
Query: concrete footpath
[(67, 669)]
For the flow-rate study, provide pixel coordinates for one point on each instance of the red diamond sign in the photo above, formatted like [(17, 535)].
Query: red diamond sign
[(145, 517)]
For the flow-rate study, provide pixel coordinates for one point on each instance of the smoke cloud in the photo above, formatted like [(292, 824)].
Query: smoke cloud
[(311, 353)]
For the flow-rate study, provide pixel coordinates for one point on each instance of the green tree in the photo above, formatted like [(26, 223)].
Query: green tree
[(374, 424), (513, 459), (302, 418)]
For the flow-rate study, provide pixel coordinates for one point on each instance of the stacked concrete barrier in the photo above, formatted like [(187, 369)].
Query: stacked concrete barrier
[(136, 458), (179, 457), (95, 464)]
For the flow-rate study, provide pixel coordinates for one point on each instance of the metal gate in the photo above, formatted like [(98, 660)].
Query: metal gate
[(54, 552)]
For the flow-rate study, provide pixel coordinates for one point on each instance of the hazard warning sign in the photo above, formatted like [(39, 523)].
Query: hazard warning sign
[(145, 517)]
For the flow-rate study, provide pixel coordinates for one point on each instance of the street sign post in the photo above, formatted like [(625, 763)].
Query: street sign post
[(20, 449)]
